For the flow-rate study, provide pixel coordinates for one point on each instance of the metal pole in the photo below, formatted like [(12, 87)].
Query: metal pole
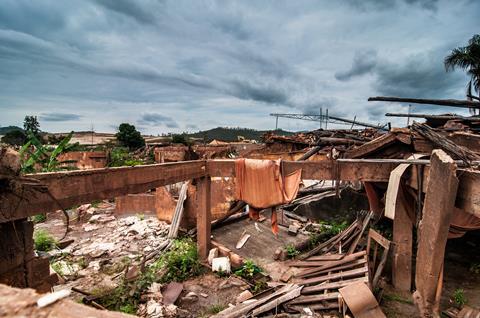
[(276, 123), (326, 119), (320, 118), (409, 111)]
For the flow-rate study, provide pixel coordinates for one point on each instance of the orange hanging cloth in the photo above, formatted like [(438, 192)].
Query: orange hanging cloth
[(261, 184)]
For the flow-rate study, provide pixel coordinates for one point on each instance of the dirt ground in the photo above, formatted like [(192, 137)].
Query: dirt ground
[(462, 272)]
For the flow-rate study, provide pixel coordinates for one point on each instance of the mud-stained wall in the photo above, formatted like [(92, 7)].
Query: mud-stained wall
[(85, 159)]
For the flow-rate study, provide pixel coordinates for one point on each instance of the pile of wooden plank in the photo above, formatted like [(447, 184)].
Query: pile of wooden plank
[(345, 242), (325, 270)]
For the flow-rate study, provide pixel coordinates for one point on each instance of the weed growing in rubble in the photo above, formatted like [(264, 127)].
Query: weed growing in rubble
[(248, 270), (44, 241), (216, 308), (39, 218), (181, 262), (333, 228), (140, 216), (459, 297), (291, 251)]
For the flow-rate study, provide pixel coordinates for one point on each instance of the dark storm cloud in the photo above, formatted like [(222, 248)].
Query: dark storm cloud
[(59, 117), (363, 62), (181, 61), (390, 4), (323, 103), (153, 119), (130, 8), (421, 76), (261, 93)]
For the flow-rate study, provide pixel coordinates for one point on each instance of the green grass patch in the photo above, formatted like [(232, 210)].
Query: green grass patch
[(43, 240), (216, 308), (397, 298)]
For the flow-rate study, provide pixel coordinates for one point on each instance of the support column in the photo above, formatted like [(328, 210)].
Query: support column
[(402, 244), (203, 216), (433, 231)]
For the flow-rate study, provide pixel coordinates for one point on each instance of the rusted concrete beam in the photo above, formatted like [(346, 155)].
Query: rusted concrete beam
[(71, 188), (321, 170)]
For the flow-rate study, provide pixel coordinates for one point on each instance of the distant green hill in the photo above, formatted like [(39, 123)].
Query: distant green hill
[(4, 130), (231, 134)]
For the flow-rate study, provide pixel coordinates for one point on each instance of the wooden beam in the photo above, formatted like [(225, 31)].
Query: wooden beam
[(319, 170), (402, 244), (71, 188), (203, 216), (433, 230), (439, 102)]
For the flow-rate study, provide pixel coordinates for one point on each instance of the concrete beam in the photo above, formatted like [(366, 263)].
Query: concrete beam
[(71, 188), (318, 170)]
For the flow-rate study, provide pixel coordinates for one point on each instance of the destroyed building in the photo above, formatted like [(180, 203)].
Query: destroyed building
[(318, 223)]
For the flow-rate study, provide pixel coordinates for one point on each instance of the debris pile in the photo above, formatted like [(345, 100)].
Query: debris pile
[(324, 272)]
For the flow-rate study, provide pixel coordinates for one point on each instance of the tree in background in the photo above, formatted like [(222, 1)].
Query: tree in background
[(180, 139), (30, 124), (15, 137), (467, 58), (129, 136)]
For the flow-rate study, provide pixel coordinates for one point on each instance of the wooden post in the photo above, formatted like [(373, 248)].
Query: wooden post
[(203, 217), (433, 231), (402, 245)]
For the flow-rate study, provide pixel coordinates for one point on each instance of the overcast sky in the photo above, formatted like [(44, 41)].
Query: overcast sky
[(172, 66)]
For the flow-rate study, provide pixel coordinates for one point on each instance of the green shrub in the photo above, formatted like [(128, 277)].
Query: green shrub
[(459, 297), (44, 241), (120, 157), (292, 251), (181, 262), (248, 270)]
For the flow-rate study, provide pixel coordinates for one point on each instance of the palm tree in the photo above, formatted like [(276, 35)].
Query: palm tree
[(467, 58)]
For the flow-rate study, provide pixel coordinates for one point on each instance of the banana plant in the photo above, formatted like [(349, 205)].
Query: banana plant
[(34, 154)]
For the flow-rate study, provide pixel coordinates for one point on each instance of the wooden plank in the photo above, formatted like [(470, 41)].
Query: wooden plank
[(72, 188), (440, 102), (361, 301), (402, 245), (377, 237), (177, 215), (342, 275), (334, 285), (314, 298), (331, 264), (372, 146), (278, 301), (319, 170), (353, 264), (241, 309), (204, 216), (433, 230), (332, 257)]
